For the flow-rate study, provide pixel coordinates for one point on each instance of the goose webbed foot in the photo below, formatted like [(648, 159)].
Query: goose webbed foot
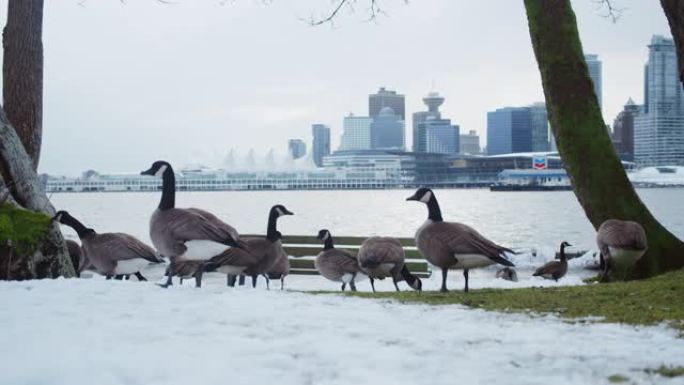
[(140, 276)]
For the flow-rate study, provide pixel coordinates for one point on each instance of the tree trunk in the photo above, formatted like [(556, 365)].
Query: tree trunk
[(22, 72), (50, 258), (674, 10), (598, 178)]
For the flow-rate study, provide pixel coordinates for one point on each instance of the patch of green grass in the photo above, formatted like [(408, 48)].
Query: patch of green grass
[(617, 379), (645, 302), (25, 229), (667, 371)]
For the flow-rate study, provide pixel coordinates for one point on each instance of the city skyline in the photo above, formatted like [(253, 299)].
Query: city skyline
[(145, 109)]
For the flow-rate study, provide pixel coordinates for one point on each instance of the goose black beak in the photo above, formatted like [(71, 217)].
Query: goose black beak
[(412, 198), (147, 172), (288, 212)]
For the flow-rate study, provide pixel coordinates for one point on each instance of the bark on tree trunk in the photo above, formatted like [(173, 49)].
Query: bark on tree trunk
[(51, 260), (22, 72), (598, 178), (674, 10)]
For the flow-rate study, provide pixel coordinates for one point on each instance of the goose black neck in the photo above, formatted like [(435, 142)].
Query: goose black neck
[(168, 198), (434, 213), (563, 258), (272, 231), (80, 229), (408, 277), (328, 244)]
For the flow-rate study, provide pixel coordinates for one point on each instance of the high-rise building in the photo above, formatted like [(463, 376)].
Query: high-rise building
[(517, 129), (432, 101), (659, 131), (386, 98), (469, 143), (623, 131), (321, 143), (442, 137), (596, 75), (357, 133), (387, 131), (297, 148), (540, 127)]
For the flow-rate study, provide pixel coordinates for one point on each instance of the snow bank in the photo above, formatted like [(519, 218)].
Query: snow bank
[(92, 331)]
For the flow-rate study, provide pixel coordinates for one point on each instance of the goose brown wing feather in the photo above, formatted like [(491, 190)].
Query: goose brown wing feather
[(120, 246), (194, 224), (457, 238)]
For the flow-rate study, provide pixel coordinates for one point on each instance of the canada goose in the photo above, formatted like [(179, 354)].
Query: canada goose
[(453, 245), (76, 255), (554, 269), (185, 269), (185, 234), (280, 269), (336, 264), (111, 254), (507, 273), (382, 257), (621, 244), (258, 255)]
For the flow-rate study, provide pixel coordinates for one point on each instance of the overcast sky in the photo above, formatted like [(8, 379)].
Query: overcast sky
[(126, 84)]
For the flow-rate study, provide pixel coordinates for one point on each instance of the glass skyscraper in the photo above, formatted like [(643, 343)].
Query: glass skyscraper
[(297, 148), (596, 75), (321, 143), (386, 98), (517, 129), (432, 101), (356, 134), (387, 131), (659, 131), (441, 136)]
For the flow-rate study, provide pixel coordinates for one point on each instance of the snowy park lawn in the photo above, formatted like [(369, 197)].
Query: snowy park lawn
[(94, 331), (646, 302)]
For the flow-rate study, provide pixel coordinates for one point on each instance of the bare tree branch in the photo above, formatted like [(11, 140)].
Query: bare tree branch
[(374, 11), (610, 10)]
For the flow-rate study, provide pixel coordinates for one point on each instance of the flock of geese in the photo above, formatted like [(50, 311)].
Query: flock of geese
[(196, 241)]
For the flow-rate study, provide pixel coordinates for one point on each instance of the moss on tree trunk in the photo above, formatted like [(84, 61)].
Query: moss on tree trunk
[(598, 178)]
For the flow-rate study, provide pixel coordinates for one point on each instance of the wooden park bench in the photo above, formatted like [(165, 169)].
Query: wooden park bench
[(302, 250)]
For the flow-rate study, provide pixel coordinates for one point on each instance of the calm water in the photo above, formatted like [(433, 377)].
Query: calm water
[(514, 219)]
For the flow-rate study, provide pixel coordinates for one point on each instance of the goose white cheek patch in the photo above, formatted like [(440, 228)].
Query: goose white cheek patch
[(426, 198), (279, 211), (161, 171)]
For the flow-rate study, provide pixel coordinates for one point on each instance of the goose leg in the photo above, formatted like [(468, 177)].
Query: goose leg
[(465, 274), (444, 277), (395, 284), (241, 280), (119, 277), (254, 279), (109, 277), (343, 286), (372, 284), (181, 281), (230, 280), (172, 271), (268, 287), (140, 277), (282, 282), (198, 276)]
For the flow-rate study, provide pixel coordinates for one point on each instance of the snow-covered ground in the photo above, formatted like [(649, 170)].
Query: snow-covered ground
[(93, 331)]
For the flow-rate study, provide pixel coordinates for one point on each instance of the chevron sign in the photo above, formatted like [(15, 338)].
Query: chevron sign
[(539, 162)]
